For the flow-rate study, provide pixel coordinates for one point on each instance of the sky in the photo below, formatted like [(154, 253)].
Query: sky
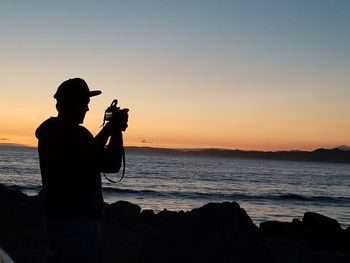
[(250, 75)]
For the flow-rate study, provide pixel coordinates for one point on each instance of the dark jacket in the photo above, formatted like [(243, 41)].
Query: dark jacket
[(70, 163)]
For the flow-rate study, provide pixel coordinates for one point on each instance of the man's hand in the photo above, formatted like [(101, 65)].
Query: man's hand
[(120, 120)]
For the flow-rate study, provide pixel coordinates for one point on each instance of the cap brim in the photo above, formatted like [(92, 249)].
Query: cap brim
[(94, 93)]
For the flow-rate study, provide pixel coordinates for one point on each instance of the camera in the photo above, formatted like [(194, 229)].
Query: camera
[(117, 115)]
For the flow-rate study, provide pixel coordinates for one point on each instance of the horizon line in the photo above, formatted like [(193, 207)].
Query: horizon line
[(196, 148)]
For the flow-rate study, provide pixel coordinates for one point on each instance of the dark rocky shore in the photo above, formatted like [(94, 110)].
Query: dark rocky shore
[(216, 232)]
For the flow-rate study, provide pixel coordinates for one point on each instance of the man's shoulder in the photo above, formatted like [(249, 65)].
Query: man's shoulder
[(46, 127), (84, 131), (53, 126)]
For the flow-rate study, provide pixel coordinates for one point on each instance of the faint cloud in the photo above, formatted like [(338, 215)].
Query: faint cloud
[(4, 139), (145, 141)]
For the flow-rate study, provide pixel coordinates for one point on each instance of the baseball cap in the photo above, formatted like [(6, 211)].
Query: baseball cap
[(74, 89)]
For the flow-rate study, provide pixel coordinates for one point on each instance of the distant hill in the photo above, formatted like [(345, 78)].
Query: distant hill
[(335, 155), (344, 148), (340, 154)]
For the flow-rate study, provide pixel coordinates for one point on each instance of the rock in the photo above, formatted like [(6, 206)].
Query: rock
[(280, 229), (123, 210), (347, 231), (170, 218), (323, 233), (215, 232), (320, 222), (227, 215), (21, 225), (147, 215), (11, 193)]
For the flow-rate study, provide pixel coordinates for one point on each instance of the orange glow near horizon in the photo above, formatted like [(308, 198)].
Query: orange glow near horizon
[(195, 143), (249, 126), (233, 75)]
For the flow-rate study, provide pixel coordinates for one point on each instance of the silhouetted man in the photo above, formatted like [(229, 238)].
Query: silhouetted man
[(71, 160)]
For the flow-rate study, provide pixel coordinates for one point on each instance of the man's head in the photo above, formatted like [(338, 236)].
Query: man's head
[(73, 97)]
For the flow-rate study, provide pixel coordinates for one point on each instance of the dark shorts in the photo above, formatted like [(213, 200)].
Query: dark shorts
[(74, 240)]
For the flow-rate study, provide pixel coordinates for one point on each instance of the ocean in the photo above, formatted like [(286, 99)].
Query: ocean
[(267, 189)]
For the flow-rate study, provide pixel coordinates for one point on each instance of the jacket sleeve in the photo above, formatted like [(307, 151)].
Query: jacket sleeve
[(111, 154)]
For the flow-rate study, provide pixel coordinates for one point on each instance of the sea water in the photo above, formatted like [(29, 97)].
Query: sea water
[(266, 189)]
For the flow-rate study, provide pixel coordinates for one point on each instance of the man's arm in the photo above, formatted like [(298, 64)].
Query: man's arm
[(102, 137), (112, 154)]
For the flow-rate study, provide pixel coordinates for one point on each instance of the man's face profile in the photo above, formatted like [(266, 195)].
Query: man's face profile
[(73, 110)]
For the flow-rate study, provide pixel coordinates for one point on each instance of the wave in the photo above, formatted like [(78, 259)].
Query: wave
[(129, 191), (288, 197), (153, 194), (36, 188)]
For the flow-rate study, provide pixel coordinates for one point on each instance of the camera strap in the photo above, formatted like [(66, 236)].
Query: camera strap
[(110, 111), (123, 173)]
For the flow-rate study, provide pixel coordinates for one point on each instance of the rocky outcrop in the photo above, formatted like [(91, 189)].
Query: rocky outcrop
[(216, 232), (21, 225)]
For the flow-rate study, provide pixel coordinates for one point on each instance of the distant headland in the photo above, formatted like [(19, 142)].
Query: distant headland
[(336, 155), (339, 154)]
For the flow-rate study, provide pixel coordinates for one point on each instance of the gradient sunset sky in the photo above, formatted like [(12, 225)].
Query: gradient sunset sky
[(262, 75)]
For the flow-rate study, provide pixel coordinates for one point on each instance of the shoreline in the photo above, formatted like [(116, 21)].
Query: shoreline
[(215, 232), (298, 207)]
